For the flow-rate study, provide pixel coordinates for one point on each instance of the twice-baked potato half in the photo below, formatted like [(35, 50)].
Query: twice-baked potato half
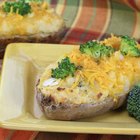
[(29, 21), (90, 80)]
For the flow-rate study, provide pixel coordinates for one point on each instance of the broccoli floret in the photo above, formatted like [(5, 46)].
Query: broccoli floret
[(21, 7), (96, 50), (133, 102), (129, 46), (64, 69)]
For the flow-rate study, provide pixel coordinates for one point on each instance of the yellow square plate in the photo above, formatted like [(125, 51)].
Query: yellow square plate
[(23, 64)]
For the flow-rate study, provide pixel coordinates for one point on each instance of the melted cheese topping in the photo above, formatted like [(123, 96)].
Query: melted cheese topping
[(110, 77), (42, 19), (116, 74), (112, 41), (96, 81)]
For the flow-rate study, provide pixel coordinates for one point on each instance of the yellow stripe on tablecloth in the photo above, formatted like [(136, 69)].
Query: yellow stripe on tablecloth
[(107, 20), (60, 7), (33, 136), (138, 3), (75, 21), (11, 132), (136, 32)]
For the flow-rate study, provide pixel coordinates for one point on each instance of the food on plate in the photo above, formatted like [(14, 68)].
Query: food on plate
[(129, 47), (90, 80), (29, 21), (97, 51), (133, 102)]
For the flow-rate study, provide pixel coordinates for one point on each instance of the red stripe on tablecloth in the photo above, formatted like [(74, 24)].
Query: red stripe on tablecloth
[(107, 137), (4, 133), (94, 137), (79, 34), (138, 138), (138, 3), (99, 21), (78, 29), (54, 3), (133, 4), (23, 135), (129, 4)]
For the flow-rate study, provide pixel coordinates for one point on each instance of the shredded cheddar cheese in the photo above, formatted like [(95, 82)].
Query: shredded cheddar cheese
[(110, 76), (112, 41)]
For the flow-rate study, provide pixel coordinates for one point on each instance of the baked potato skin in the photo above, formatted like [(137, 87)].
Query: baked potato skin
[(52, 38), (64, 111)]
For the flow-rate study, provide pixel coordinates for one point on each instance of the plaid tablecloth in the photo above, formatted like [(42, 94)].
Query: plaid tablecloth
[(88, 20)]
